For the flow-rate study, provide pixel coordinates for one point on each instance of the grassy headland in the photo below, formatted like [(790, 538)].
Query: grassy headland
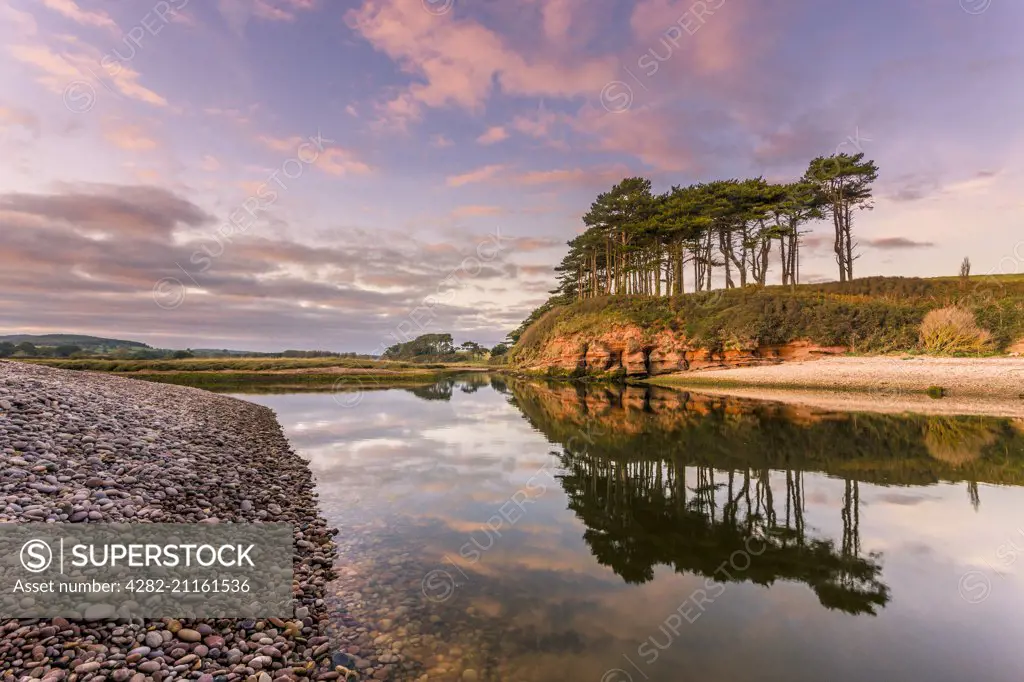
[(874, 315)]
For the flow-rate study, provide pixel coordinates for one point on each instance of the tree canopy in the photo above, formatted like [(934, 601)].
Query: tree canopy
[(427, 344), (640, 243)]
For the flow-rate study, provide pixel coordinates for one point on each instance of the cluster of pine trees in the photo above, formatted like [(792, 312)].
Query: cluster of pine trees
[(641, 243)]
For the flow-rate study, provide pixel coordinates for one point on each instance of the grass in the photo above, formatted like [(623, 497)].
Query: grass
[(869, 316), (265, 382), (244, 365), (267, 375)]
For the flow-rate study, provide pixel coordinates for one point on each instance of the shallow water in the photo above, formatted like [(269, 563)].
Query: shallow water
[(532, 531)]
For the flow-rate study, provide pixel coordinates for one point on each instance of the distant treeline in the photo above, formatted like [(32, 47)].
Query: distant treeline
[(441, 348)]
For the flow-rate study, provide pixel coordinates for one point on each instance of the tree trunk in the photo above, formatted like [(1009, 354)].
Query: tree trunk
[(607, 266), (709, 265), (698, 266), (678, 287), (848, 220), (725, 237), (657, 270), (838, 247), (593, 273)]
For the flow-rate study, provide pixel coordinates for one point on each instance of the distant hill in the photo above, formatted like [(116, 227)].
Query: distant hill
[(71, 339), (122, 348)]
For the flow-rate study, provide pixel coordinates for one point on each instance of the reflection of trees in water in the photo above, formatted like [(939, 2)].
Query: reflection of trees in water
[(957, 441), (443, 389), (640, 514), (728, 433), (499, 384), (674, 478), (471, 383)]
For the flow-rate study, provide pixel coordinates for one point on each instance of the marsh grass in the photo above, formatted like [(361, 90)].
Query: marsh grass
[(265, 382), (230, 364)]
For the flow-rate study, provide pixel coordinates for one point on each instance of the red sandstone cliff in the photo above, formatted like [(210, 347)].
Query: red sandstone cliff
[(628, 348)]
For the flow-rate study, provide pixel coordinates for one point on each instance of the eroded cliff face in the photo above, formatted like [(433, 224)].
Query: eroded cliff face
[(630, 349)]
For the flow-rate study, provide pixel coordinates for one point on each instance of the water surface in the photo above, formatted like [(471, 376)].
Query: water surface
[(531, 531)]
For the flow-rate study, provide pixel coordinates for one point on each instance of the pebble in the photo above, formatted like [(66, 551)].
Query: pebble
[(81, 447), (187, 635)]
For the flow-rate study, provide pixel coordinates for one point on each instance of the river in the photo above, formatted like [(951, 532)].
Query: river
[(497, 529)]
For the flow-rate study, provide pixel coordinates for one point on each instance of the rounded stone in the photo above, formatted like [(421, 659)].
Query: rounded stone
[(188, 635)]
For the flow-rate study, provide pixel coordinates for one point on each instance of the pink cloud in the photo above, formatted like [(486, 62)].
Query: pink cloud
[(237, 12), (130, 137), (528, 244), (233, 115), (547, 126), (474, 211), (659, 138), (545, 271), (578, 176), (558, 16), (710, 38), (337, 161), (492, 135), (540, 124), (585, 177), (15, 116), (210, 164), (477, 175), (330, 160), (60, 70), (23, 22), (281, 10), (265, 10), (440, 141), (72, 11), (461, 62)]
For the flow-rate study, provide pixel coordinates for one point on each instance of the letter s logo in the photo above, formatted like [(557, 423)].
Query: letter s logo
[(36, 556)]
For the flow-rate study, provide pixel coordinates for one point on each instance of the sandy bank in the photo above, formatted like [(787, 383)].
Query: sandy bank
[(990, 386)]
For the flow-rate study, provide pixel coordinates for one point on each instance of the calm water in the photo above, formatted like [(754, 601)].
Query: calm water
[(543, 532)]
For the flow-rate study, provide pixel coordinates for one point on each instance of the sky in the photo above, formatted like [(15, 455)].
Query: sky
[(271, 174)]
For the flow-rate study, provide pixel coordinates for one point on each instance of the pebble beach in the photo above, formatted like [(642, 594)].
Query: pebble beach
[(79, 448)]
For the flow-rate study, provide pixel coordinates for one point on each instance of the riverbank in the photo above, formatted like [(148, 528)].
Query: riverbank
[(260, 375), (889, 384), (80, 447)]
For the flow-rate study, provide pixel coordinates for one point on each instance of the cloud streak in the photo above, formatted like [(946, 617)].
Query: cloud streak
[(897, 243)]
